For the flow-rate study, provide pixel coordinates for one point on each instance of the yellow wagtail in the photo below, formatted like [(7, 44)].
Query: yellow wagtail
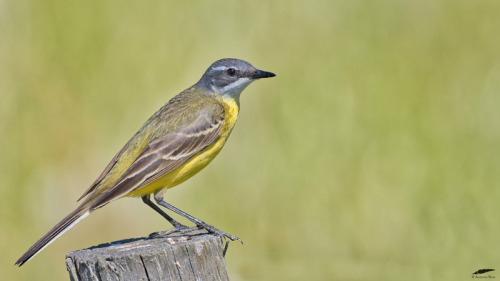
[(178, 141)]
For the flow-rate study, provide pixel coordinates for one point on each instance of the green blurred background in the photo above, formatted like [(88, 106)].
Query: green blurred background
[(373, 155)]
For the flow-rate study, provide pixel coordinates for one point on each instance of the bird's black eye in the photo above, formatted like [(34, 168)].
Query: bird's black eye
[(231, 71)]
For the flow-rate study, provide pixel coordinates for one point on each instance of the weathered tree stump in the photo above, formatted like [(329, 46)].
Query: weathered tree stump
[(196, 255)]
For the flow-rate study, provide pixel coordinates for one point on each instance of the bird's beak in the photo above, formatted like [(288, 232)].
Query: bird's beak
[(262, 74)]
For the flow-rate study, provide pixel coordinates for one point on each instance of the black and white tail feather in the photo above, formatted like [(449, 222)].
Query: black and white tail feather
[(63, 226)]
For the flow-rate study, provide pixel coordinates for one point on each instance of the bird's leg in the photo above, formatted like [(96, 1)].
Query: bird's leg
[(159, 199), (175, 223)]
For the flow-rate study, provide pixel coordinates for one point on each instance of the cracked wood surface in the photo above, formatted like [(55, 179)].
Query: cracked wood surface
[(196, 255)]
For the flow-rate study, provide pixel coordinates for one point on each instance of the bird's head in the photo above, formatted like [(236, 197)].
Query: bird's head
[(229, 77)]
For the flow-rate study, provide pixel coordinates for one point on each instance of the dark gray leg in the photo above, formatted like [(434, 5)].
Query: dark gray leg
[(159, 199), (175, 223)]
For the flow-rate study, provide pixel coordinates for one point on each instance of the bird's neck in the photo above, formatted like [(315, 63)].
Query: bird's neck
[(231, 105)]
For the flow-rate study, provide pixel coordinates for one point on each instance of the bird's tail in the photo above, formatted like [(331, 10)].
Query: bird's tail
[(65, 224)]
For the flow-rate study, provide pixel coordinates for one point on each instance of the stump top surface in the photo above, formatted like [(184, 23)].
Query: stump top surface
[(145, 243)]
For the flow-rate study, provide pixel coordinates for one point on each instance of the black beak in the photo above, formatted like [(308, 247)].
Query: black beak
[(262, 74)]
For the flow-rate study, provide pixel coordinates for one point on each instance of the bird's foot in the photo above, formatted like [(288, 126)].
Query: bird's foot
[(182, 229), (221, 233)]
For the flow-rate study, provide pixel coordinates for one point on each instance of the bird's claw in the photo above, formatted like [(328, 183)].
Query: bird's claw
[(221, 233), (181, 229)]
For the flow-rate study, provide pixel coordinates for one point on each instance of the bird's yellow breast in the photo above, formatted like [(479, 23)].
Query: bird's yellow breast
[(200, 160)]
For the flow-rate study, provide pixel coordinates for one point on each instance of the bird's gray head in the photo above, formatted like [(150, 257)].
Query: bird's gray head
[(230, 76)]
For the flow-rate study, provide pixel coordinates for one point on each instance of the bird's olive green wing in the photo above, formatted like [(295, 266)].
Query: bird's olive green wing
[(167, 152), (106, 170)]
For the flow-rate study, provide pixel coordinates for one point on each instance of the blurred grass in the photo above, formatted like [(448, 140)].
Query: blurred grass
[(373, 155)]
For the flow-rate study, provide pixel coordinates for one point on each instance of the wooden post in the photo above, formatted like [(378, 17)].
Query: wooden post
[(195, 255)]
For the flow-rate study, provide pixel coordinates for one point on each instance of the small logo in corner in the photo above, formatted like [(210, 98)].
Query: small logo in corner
[(478, 273)]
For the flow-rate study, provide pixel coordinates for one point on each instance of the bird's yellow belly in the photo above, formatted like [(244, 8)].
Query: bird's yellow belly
[(197, 162)]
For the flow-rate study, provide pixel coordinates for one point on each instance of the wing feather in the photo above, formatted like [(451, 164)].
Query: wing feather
[(166, 153), (106, 171)]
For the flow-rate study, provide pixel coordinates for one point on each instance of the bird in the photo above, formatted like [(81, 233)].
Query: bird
[(175, 143)]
